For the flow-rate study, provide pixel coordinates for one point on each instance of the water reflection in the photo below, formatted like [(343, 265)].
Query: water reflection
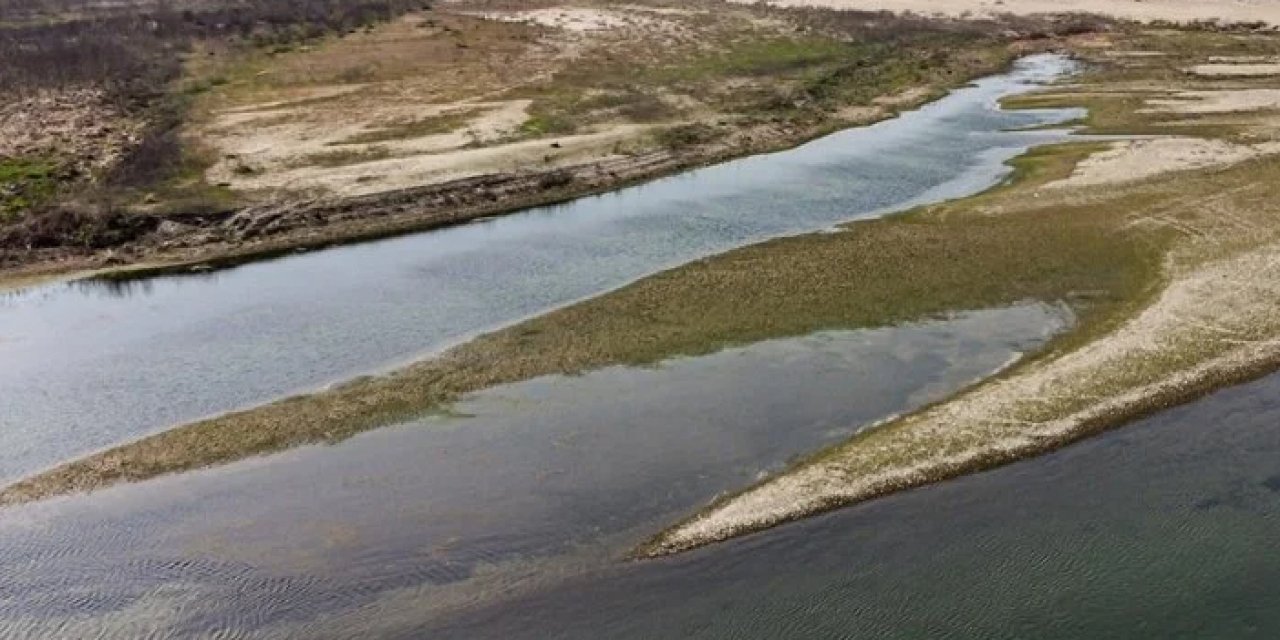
[(544, 478), (1164, 529), (94, 364)]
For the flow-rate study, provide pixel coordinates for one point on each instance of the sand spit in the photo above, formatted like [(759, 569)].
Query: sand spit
[(1044, 406), (1133, 160), (1147, 10)]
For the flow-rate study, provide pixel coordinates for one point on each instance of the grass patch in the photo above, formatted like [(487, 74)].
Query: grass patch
[(344, 157), (25, 183)]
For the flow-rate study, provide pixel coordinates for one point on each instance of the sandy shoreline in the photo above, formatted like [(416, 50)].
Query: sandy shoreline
[(996, 423)]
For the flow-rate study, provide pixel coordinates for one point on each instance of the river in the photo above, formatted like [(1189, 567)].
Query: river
[(512, 514), (89, 364)]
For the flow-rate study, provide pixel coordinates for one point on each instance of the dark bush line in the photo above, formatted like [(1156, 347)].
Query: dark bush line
[(134, 55)]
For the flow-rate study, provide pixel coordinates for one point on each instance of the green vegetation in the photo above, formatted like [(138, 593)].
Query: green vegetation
[(832, 61), (25, 183)]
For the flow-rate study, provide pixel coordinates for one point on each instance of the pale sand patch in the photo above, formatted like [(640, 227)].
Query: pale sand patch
[(1221, 70), (276, 140), (1135, 54), (422, 169), (1224, 313), (1229, 101), (1133, 160), (1241, 59), (1147, 10), (575, 19), (295, 95)]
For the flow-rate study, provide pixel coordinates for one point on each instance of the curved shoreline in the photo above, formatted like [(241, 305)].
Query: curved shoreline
[(1213, 376)]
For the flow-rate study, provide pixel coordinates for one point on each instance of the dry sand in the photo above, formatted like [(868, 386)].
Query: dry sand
[(1145, 10), (1236, 70), (577, 19), (1226, 101), (431, 168), (1133, 160)]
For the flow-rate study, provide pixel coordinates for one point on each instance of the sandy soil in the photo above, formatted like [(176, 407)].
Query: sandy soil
[(1146, 10), (444, 164), (278, 146), (1225, 101), (577, 19), (1134, 160), (302, 125), (1236, 70)]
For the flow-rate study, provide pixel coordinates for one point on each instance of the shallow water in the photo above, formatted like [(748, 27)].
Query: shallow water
[(1168, 528), (89, 365), (521, 485)]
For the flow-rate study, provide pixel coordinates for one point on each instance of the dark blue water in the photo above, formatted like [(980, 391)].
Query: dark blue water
[(87, 365)]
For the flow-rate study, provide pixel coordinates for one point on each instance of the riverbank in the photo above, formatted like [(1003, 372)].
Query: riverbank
[(476, 109)]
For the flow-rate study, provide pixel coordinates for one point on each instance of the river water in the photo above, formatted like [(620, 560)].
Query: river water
[(1168, 528), (88, 365), (520, 486)]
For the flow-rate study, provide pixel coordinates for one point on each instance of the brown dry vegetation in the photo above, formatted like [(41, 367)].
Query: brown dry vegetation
[(91, 90)]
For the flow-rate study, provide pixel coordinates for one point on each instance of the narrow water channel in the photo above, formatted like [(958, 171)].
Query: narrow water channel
[(89, 365)]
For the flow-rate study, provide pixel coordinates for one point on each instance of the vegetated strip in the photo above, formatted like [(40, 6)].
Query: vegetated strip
[(877, 273)]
